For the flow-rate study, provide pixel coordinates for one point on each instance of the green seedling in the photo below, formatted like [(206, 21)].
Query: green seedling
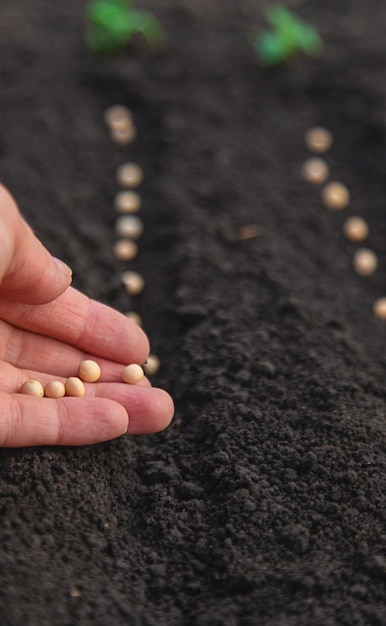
[(112, 24), (289, 35)]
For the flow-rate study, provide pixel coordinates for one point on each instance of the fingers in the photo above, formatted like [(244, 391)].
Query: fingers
[(29, 351), (28, 273), (88, 325), (150, 409), (28, 421)]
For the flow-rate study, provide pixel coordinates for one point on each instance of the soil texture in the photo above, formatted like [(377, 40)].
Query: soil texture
[(264, 502)]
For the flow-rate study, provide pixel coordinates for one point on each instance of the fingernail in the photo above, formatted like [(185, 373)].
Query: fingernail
[(63, 267)]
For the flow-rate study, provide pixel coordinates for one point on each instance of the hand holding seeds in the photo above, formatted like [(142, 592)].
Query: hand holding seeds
[(47, 330)]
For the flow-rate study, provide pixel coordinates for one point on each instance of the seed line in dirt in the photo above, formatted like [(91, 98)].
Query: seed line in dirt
[(128, 226), (336, 197)]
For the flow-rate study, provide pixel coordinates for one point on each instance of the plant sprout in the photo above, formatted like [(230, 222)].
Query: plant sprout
[(112, 24), (288, 36)]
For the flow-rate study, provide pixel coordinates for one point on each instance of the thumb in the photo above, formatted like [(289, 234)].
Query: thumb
[(28, 272)]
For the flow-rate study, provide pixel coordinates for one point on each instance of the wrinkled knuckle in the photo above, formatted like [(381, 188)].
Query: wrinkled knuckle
[(62, 418), (11, 422)]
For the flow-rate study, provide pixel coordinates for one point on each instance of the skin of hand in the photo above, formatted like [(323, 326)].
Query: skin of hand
[(46, 329)]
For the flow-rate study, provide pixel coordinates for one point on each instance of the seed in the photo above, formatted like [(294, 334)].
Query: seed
[(315, 171), (250, 231), (54, 389), (132, 374), (134, 317), (129, 226), (74, 387), (318, 139), (133, 282), (379, 308), (124, 135), (32, 388), (355, 229), (127, 202), (365, 262), (129, 175), (89, 371), (152, 365), (125, 250), (335, 196), (117, 116)]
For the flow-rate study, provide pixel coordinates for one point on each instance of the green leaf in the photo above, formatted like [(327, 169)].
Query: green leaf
[(112, 23)]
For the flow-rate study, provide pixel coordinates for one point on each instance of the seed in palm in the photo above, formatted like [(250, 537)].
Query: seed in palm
[(89, 371), (54, 389), (32, 388), (74, 387)]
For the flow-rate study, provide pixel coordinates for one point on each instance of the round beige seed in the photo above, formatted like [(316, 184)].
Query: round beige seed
[(125, 250), (152, 365), (318, 139), (355, 229), (54, 389), (379, 308), (118, 116), (32, 388), (133, 282), (315, 171), (129, 175), (132, 374), (124, 135), (129, 226), (134, 317), (127, 202), (365, 262), (74, 387), (335, 196), (89, 371)]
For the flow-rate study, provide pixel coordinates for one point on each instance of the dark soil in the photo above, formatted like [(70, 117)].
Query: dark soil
[(264, 502)]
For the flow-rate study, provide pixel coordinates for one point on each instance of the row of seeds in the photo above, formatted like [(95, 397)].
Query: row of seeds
[(88, 372), (336, 197), (128, 226)]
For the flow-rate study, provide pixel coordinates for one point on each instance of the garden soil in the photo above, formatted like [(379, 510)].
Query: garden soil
[(264, 501)]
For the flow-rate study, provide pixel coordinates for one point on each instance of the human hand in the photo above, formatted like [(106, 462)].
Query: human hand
[(46, 329)]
